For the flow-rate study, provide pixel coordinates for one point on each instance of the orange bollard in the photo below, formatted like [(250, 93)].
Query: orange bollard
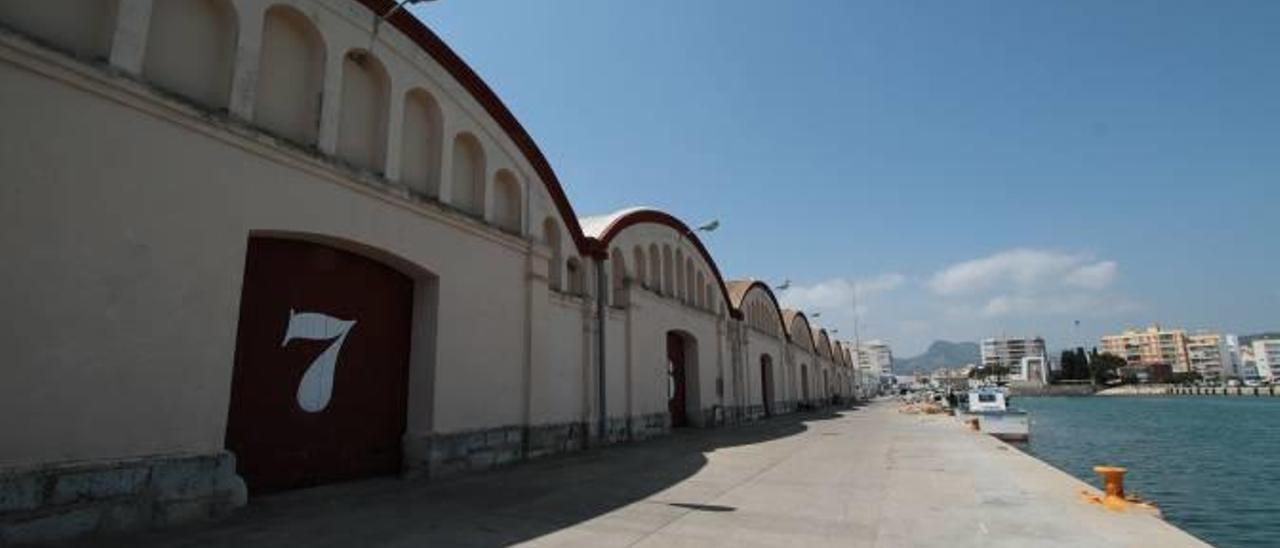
[(1112, 481), (1114, 497)]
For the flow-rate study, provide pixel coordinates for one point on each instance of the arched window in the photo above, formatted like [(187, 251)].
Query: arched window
[(81, 28), (362, 122), (618, 266), (420, 143), (638, 258), (290, 76), (655, 268), (682, 290), (688, 281), (551, 237), (577, 277), (668, 276), (711, 297), (506, 201), (468, 175), (700, 300), (191, 46)]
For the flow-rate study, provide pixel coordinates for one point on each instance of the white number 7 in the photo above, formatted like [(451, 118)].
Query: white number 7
[(317, 383)]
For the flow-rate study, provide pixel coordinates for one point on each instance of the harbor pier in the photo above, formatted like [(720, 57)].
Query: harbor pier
[(870, 476)]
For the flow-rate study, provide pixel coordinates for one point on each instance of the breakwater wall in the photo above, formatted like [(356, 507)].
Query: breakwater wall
[(1171, 390), (1035, 390)]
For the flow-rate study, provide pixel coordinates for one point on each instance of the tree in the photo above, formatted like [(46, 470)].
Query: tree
[(1074, 365), (1103, 367)]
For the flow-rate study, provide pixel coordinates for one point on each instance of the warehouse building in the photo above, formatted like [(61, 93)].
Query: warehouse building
[(257, 245)]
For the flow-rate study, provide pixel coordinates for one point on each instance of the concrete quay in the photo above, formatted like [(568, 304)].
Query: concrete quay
[(862, 477)]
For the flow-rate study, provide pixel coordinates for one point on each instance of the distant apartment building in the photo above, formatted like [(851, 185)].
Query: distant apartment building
[(1031, 369), (1248, 365), (1202, 352), (1150, 346), (1266, 357), (1009, 353), (876, 358), (1207, 355), (1234, 365)]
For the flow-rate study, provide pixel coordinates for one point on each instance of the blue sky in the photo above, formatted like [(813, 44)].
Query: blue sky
[(978, 167)]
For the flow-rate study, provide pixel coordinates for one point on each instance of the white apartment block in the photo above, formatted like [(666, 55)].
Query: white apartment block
[(1207, 354), (1031, 369), (1008, 352), (1266, 356), (875, 357)]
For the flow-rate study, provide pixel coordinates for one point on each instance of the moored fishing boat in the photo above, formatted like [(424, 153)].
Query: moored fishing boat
[(989, 405)]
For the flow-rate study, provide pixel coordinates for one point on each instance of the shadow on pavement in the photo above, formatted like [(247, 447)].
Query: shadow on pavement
[(496, 508)]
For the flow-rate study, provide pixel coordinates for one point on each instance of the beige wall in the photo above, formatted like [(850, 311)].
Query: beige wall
[(81, 27), (134, 253), (126, 215)]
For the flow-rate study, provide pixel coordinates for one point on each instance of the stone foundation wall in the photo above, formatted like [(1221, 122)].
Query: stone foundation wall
[(649, 426), (444, 455), (62, 502)]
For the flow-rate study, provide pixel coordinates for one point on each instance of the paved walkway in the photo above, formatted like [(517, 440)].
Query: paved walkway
[(865, 477)]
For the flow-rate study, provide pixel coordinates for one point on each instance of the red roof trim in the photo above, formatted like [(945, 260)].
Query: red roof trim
[(776, 307), (406, 23), (657, 217)]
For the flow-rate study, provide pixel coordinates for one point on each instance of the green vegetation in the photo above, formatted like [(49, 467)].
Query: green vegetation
[(1097, 368)]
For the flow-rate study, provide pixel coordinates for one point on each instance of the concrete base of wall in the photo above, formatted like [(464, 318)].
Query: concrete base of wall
[(62, 502), (444, 455)]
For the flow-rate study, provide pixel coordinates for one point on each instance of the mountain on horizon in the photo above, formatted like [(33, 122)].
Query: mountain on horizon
[(1246, 340), (939, 355)]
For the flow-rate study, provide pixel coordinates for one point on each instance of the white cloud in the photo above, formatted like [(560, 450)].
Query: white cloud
[(837, 293), (1093, 276), (1022, 270), (1025, 290), (1030, 283), (1056, 304)]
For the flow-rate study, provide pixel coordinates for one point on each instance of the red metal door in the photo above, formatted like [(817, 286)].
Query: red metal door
[(675, 380), (319, 388)]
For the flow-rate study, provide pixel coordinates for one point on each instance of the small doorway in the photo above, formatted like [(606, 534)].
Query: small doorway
[(804, 383), (676, 386), (766, 383)]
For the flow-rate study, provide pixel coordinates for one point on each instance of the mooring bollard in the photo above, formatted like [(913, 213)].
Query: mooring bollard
[(973, 424), (1112, 481)]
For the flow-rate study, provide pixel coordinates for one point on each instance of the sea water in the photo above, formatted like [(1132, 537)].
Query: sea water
[(1212, 464)]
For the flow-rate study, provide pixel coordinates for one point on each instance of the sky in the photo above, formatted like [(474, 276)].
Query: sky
[(974, 168)]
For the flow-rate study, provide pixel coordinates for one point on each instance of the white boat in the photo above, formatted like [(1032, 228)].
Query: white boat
[(990, 407)]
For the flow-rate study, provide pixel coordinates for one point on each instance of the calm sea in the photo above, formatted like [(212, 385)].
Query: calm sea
[(1212, 465)]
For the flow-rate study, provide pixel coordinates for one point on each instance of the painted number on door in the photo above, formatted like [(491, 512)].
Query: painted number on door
[(317, 383)]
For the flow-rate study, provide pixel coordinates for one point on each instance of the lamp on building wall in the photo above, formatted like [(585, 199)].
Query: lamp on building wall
[(377, 23)]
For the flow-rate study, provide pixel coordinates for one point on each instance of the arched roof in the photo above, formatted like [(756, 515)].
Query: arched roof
[(602, 229), (790, 315), (738, 290), (822, 342), (406, 23)]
